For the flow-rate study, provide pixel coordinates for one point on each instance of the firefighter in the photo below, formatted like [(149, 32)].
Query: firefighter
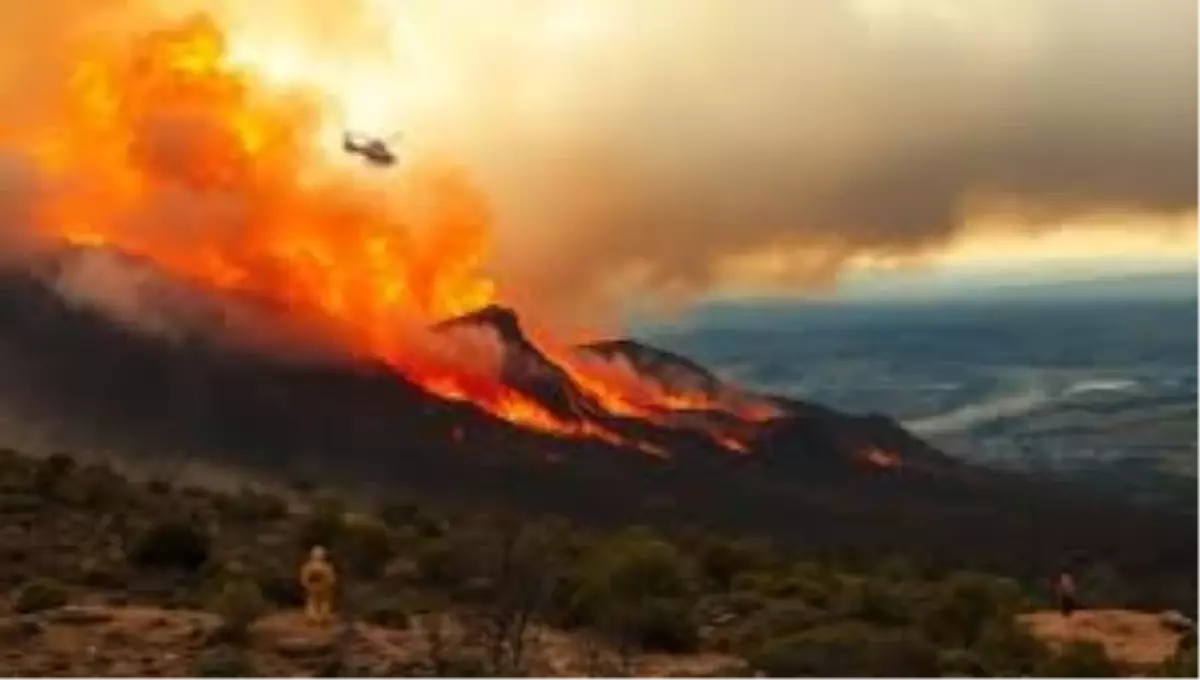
[(319, 581)]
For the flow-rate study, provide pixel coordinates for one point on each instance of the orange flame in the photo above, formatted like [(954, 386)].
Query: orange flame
[(162, 148), (623, 391)]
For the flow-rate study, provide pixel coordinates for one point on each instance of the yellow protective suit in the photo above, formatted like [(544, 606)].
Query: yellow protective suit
[(319, 580)]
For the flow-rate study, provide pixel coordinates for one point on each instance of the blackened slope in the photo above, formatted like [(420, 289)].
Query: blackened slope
[(369, 427), (525, 368), (808, 438), (676, 371), (673, 370), (529, 371)]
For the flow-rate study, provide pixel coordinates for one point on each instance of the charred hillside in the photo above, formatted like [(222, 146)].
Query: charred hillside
[(812, 478)]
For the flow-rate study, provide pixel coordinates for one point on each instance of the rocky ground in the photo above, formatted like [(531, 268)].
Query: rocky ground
[(102, 640), (1138, 639)]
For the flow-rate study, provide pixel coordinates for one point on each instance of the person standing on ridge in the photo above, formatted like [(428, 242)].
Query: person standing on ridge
[(1065, 588), (318, 579)]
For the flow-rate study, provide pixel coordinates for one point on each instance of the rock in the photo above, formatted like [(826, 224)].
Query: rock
[(303, 647), (79, 616), (15, 631), (1177, 621), (724, 619)]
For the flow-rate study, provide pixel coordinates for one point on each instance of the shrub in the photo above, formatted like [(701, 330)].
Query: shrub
[(223, 662), (97, 486), (847, 649), (778, 619), (964, 604), (172, 544), (323, 525), (1006, 647), (281, 587), (239, 604), (961, 663), (255, 506), (878, 602), (664, 626), (453, 560), (638, 589), (1182, 664), (722, 561), (366, 547), (38, 595), (50, 471)]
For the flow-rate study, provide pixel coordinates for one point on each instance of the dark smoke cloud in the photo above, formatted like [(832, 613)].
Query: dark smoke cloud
[(691, 134), (644, 160)]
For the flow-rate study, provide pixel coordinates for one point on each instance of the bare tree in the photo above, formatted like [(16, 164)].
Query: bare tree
[(523, 570)]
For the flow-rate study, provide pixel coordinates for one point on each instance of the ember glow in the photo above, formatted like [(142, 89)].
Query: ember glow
[(167, 149), (882, 459)]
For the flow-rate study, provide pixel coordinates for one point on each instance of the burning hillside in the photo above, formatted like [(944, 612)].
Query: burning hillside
[(168, 151)]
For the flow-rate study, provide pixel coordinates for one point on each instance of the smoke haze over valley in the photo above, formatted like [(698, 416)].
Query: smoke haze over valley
[(1094, 380)]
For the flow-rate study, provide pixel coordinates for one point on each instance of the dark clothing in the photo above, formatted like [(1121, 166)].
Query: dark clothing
[(1065, 589), (1067, 604)]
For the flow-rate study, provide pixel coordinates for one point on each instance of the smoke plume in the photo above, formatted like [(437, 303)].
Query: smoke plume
[(687, 136), (657, 150)]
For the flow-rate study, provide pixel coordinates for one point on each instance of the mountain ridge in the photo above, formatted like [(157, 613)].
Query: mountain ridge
[(808, 481)]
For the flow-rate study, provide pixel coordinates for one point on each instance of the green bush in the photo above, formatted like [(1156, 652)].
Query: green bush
[(639, 590), (961, 663), (323, 525), (847, 649), (50, 472), (99, 487), (1182, 664), (721, 561), (239, 604), (1006, 647), (635, 566), (280, 586), (963, 605), (1080, 660), (254, 506), (223, 662), (879, 602), (172, 544), (38, 595), (366, 546), (663, 626), (777, 619)]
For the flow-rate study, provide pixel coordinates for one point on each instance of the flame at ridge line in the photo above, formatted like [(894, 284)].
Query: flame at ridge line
[(164, 149)]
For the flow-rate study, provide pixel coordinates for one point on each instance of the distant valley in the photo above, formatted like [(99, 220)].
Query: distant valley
[(1101, 391)]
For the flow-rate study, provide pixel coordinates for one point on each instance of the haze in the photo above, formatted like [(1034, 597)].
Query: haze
[(663, 150)]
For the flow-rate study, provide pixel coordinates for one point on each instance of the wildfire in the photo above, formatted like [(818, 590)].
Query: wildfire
[(166, 149), (882, 459), (623, 391), (162, 149)]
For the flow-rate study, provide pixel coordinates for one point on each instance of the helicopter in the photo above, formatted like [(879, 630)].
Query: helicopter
[(374, 150)]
